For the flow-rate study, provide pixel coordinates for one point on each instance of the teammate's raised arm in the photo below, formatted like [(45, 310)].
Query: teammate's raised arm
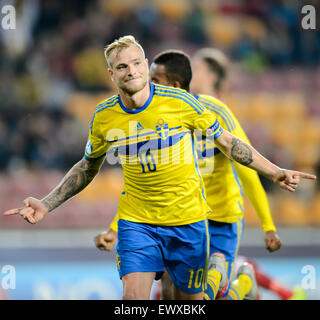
[(78, 177), (245, 154)]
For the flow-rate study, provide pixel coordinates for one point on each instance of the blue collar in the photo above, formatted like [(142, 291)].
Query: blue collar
[(141, 108)]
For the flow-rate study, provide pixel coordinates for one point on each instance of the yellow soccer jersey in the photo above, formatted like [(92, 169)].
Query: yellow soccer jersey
[(222, 183), (162, 183)]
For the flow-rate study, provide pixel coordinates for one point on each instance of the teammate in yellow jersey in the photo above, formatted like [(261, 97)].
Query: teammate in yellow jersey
[(210, 68), (162, 211)]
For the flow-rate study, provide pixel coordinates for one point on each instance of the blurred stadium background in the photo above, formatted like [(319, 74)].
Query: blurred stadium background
[(53, 73)]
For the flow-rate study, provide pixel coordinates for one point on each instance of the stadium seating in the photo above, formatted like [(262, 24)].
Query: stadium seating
[(59, 75), (174, 10)]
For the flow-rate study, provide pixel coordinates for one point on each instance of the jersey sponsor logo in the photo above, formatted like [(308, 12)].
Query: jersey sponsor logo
[(162, 129)]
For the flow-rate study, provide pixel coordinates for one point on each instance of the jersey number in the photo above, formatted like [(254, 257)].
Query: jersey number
[(197, 280), (147, 161)]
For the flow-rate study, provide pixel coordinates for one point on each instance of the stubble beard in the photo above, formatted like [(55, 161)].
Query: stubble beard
[(131, 91)]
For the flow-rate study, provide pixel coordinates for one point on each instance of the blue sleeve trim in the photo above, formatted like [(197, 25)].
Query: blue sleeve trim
[(212, 129), (94, 159), (218, 134)]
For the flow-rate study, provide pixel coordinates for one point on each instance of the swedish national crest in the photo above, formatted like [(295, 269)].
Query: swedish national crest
[(162, 129)]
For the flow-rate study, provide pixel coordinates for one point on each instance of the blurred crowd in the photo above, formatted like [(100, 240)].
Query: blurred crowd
[(56, 51)]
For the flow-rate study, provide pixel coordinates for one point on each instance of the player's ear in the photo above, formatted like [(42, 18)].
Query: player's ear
[(111, 74), (176, 84)]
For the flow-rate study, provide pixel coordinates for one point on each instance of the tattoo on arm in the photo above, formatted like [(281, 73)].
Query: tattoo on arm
[(241, 152), (74, 181)]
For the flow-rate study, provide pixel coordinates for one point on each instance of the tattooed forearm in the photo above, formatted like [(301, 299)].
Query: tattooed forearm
[(241, 152), (74, 181)]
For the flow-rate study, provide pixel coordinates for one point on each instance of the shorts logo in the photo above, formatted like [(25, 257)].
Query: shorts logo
[(162, 129)]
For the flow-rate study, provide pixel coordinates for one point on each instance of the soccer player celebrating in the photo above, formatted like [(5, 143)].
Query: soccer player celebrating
[(223, 192), (162, 209), (173, 68)]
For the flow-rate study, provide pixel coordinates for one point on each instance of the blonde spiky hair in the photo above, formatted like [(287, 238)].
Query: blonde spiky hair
[(120, 44)]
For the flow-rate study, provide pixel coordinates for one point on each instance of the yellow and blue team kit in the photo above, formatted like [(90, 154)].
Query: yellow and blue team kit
[(163, 188), (224, 190), (224, 184)]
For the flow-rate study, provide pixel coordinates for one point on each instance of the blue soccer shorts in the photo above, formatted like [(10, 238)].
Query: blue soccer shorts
[(182, 250), (225, 238)]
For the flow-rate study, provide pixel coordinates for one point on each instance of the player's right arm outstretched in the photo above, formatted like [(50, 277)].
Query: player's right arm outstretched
[(256, 194), (246, 155), (79, 176)]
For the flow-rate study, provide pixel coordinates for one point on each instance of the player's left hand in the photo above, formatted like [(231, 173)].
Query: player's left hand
[(106, 240), (289, 179), (272, 241)]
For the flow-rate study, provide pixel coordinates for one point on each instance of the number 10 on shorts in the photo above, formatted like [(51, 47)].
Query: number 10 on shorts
[(195, 278)]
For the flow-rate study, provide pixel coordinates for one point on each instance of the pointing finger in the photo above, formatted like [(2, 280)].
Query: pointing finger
[(304, 175), (12, 211)]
